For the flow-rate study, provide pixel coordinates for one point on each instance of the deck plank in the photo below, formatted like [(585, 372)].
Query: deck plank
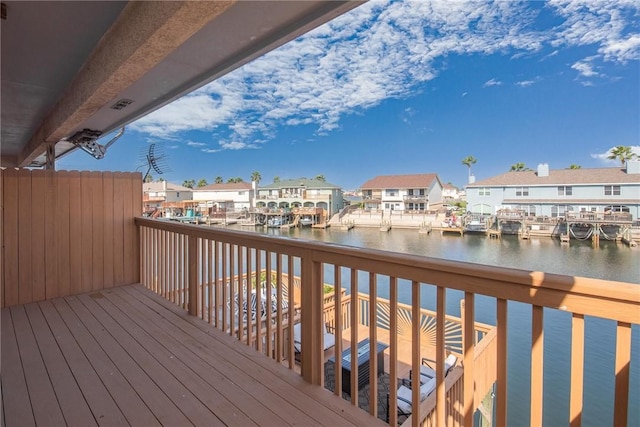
[(16, 404), (262, 405), (314, 400), (150, 358), (62, 380), (44, 403), (93, 372), (164, 409), (210, 385), (126, 356)]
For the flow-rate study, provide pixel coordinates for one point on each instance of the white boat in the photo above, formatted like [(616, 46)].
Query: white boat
[(306, 221), (276, 221)]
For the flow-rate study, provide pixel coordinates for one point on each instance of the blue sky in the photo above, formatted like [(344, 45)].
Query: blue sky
[(410, 87)]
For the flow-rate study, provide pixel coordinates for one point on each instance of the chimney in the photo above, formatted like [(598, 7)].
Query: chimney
[(543, 169), (633, 166), (472, 179)]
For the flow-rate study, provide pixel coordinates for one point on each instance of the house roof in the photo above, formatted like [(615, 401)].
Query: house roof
[(300, 182), (153, 187), (400, 181), (227, 186), (561, 177)]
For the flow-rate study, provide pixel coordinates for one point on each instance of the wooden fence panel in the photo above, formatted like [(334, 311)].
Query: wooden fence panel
[(38, 261), (10, 237), (25, 292), (75, 231), (67, 232), (109, 252), (50, 234)]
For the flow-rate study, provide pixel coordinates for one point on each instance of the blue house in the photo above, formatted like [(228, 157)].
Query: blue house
[(556, 192)]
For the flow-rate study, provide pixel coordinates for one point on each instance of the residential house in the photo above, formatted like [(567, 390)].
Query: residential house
[(555, 192), (451, 193), (302, 192), (156, 193), (416, 192), (229, 197)]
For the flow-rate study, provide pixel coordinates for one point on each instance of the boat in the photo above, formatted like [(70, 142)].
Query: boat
[(274, 222), (306, 221)]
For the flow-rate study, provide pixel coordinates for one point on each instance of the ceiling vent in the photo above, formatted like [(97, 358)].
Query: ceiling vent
[(123, 103)]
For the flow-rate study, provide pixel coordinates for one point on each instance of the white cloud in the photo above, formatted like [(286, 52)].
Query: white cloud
[(585, 68), (492, 82), (525, 83), (383, 50), (604, 156), (196, 144)]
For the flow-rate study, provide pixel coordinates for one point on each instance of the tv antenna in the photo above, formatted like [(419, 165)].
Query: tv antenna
[(154, 159)]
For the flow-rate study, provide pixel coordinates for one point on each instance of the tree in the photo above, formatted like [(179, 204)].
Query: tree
[(519, 167), (622, 153), (575, 167), (468, 161), (256, 177), (148, 178), (161, 179), (202, 182), (276, 179), (189, 183), (218, 180), (236, 179), (321, 178)]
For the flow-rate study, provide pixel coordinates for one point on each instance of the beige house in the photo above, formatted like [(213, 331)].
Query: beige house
[(156, 193), (230, 197), (416, 192)]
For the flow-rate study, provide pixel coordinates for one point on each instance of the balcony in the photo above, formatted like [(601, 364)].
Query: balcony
[(112, 318)]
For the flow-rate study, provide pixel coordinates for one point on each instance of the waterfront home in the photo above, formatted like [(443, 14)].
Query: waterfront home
[(227, 197), (288, 194), (154, 194), (416, 192), (559, 192), (451, 193), (106, 316)]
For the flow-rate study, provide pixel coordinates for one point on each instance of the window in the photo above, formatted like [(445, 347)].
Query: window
[(565, 191), (484, 191), (177, 194), (522, 191), (611, 190), (391, 192), (560, 210), (241, 193)]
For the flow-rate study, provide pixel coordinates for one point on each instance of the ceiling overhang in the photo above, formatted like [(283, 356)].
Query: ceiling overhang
[(69, 66)]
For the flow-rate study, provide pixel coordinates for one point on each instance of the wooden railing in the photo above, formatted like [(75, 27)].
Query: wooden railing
[(188, 258)]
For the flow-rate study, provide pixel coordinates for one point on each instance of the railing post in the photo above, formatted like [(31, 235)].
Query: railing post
[(311, 317), (192, 254)]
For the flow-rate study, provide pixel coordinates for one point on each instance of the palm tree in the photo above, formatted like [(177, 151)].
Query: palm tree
[(276, 179), (468, 161), (256, 177), (148, 178), (519, 167), (218, 180), (189, 183), (321, 178), (575, 167), (202, 182), (236, 179), (622, 153)]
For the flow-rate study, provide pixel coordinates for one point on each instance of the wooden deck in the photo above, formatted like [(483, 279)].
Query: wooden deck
[(125, 356)]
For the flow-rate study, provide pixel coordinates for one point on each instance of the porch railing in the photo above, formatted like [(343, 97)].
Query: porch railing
[(188, 260)]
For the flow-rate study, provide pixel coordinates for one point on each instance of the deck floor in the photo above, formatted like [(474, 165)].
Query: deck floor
[(125, 356)]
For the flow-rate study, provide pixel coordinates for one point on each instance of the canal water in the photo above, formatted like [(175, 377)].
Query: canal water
[(611, 261)]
